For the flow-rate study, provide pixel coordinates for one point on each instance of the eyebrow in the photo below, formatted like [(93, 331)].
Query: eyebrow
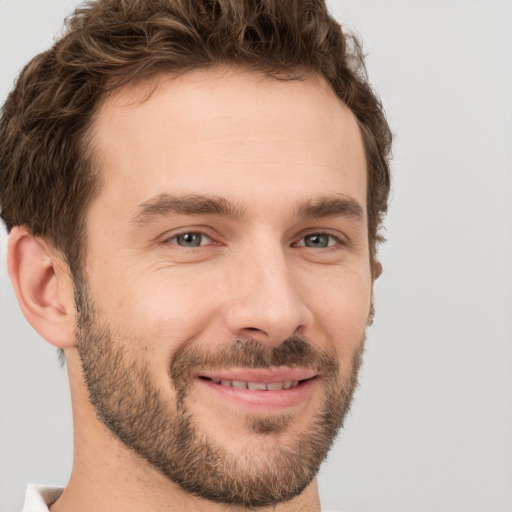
[(164, 205), (191, 204), (329, 206)]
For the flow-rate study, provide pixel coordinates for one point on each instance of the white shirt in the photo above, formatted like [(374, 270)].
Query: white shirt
[(38, 498)]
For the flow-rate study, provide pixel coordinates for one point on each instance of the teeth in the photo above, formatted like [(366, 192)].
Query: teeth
[(257, 386)]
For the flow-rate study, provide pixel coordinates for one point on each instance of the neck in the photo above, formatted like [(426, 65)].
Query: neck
[(103, 491), (108, 477)]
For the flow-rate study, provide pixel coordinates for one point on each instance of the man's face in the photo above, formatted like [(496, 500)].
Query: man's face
[(228, 282)]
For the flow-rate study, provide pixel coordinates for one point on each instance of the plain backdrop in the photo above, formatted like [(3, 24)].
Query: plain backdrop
[(431, 426)]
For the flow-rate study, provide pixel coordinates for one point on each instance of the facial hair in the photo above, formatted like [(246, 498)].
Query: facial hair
[(168, 436)]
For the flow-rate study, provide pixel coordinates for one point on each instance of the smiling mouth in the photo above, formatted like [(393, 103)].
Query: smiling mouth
[(260, 390), (257, 386)]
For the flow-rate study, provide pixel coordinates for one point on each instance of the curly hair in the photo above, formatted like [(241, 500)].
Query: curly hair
[(48, 176)]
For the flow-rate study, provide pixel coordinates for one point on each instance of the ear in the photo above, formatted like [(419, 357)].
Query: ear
[(43, 286), (377, 269)]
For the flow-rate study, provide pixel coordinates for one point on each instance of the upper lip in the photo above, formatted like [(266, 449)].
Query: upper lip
[(267, 376)]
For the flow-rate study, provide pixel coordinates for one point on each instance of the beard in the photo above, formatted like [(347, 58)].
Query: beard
[(166, 434)]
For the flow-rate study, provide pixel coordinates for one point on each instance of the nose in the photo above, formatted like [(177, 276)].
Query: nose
[(266, 300)]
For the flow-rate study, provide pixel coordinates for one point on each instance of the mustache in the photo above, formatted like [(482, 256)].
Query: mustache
[(294, 352)]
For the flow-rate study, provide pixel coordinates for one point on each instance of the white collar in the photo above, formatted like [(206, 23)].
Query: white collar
[(38, 498)]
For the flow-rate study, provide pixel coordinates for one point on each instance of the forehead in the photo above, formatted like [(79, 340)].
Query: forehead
[(227, 133)]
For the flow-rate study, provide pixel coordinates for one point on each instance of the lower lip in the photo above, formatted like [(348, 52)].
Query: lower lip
[(273, 400)]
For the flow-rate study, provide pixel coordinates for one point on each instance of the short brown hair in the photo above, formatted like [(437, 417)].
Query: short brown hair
[(47, 175)]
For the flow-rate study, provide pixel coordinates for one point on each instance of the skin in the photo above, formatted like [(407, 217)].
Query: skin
[(267, 147)]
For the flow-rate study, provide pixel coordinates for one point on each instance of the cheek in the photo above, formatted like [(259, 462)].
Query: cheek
[(162, 310), (342, 310)]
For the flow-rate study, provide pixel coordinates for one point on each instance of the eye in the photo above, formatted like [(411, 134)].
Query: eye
[(192, 239), (318, 241)]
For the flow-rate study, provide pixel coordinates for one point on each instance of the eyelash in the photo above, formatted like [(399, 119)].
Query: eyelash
[(177, 235), (330, 236)]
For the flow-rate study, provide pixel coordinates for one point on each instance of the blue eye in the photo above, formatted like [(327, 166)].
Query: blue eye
[(190, 239), (318, 241)]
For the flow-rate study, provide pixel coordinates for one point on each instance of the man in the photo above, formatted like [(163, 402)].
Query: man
[(194, 192)]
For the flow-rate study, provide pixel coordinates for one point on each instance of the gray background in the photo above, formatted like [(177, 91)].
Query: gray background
[(431, 427)]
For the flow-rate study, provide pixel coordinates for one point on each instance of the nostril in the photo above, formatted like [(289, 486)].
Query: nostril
[(301, 329)]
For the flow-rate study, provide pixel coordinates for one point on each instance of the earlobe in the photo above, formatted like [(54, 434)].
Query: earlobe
[(43, 286), (377, 269)]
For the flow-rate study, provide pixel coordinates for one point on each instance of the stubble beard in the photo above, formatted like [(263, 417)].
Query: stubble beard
[(169, 438)]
